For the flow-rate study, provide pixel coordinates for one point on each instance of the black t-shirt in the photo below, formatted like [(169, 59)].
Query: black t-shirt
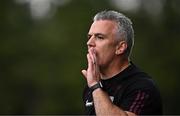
[(131, 90)]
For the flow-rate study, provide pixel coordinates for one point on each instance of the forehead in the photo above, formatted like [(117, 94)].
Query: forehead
[(103, 26)]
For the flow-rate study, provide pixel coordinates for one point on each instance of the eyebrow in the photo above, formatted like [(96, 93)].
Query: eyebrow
[(97, 34)]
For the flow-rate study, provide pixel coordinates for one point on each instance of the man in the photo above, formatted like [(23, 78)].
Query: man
[(115, 86)]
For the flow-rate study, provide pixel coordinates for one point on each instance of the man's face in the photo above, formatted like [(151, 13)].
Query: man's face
[(102, 38)]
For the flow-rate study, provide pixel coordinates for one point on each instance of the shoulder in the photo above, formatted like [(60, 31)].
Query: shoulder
[(137, 78), (141, 81), (144, 85), (142, 96)]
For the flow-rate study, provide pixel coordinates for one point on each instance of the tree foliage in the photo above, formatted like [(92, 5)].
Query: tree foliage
[(41, 60)]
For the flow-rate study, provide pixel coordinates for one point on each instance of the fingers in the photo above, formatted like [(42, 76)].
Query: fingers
[(84, 72), (130, 113), (94, 67), (92, 55), (92, 72), (90, 62)]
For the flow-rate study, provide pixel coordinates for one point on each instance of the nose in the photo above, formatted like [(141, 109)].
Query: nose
[(91, 42)]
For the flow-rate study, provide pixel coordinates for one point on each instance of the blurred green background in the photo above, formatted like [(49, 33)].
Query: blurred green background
[(43, 50)]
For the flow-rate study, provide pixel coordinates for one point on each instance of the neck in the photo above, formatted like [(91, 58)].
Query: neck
[(114, 69)]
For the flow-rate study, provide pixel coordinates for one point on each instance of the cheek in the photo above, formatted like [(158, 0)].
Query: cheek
[(100, 55), (105, 51), (105, 55)]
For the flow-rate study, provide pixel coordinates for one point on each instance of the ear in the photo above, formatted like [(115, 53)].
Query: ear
[(121, 47)]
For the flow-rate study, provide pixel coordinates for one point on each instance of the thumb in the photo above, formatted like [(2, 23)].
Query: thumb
[(84, 72)]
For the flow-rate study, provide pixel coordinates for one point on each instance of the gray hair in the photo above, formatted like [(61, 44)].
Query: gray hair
[(125, 29)]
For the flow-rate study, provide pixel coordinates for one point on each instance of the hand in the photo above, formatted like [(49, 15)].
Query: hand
[(92, 74)]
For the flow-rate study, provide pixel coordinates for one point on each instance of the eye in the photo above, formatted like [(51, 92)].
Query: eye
[(99, 37), (89, 36)]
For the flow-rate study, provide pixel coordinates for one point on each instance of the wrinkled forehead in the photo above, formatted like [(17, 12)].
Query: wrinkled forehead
[(103, 26)]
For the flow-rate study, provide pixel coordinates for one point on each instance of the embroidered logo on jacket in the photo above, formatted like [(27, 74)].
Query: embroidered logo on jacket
[(90, 103)]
